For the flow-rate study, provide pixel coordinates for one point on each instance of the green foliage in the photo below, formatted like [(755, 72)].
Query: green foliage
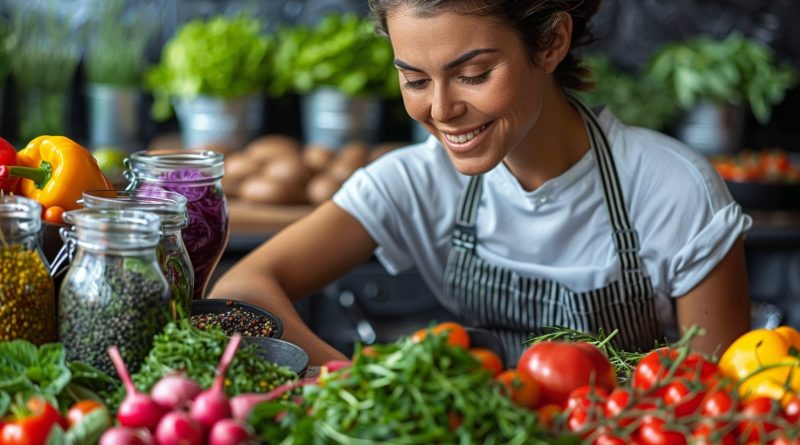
[(635, 100), (6, 50), (342, 51), (734, 70), (115, 54), (221, 56)]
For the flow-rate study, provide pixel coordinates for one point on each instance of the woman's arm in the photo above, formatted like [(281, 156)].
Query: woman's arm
[(296, 262), (720, 304)]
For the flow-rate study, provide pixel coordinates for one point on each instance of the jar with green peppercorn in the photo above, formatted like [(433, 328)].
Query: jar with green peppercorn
[(171, 251), (27, 298), (114, 293)]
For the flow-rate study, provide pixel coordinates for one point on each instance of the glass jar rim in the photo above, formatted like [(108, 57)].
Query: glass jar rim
[(25, 212), (114, 229), (169, 206), (156, 165)]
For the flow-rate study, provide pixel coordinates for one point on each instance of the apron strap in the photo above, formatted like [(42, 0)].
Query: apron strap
[(464, 233)]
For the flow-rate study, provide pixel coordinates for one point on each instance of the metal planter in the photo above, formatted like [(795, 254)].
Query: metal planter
[(226, 124), (113, 116), (333, 119)]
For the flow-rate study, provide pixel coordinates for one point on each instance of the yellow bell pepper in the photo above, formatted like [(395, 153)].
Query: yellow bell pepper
[(765, 363), (56, 171)]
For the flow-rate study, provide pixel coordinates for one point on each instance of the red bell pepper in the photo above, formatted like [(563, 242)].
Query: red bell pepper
[(31, 424), (8, 157)]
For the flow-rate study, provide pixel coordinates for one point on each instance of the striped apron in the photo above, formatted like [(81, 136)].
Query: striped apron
[(516, 307)]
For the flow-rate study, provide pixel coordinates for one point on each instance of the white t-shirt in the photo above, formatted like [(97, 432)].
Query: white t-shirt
[(685, 217)]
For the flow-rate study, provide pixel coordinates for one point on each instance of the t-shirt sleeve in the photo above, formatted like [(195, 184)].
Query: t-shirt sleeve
[(366, 199)]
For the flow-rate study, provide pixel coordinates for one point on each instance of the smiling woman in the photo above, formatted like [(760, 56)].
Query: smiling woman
[(524, 209)]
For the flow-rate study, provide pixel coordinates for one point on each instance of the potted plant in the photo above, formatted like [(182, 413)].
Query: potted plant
[(712, 82), (342, 69), (214, 71), (6, 49), (113, 66)]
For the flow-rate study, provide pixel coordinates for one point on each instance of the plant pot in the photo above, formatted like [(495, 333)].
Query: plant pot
[(223, 124), (712, 128), (113, 116), (40, 112), (332, 118)]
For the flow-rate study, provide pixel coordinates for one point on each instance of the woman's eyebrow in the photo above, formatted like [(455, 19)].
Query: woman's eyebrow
[(451, 64)]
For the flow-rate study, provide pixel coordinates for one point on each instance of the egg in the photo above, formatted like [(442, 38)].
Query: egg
[(272, 146), (321, 188), (318, 156), (260, 190)]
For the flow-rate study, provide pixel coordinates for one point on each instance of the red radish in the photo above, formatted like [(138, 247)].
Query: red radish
[(335, 365), (242, 404), (138, 409), (228, 432), (175, 391), (212, 405), (178, 428), (122, 435)]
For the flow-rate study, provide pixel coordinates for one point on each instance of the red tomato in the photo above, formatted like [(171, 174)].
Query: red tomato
[(544, 363), (654, 432), (754, 412), (709, 434), (577, 419), (785, 441), (791, 409), (79, 410), (652, 368), (586, 396), (547, 414), (618, 404), (33, 429), (719, 404), (524, 391), (456, 334), (608, 439), (54, 215), (488, 359), (683, 398)]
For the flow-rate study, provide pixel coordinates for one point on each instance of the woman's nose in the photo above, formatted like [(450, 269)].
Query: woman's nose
[(445, 106)]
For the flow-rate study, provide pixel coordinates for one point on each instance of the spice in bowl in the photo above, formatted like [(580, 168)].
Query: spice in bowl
[(236, 321)]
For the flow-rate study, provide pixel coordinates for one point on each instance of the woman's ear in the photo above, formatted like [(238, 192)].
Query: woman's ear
[(559, 46)]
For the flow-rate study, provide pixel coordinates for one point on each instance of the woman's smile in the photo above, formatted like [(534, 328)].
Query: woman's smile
[(463, 141)]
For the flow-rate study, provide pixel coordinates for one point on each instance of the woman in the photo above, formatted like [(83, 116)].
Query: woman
[(524, 209)]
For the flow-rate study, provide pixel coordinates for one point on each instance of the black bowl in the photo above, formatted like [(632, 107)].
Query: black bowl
[(482, 338), (280, 352), (219, 306)]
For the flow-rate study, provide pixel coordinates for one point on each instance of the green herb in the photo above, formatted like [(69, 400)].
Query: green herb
[(115, 54), (404, 393), (27, 370), (223, 57), (184, 348), (343, 51), (733, 70)]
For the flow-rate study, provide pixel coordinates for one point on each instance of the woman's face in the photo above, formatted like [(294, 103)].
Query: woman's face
[(470, 81)]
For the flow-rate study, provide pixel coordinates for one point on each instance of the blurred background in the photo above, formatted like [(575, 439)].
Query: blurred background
[(125, 75)]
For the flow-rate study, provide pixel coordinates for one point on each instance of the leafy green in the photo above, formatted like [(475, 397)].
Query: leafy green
[(404, 393), (221, 56), (27, 370), (734, 70), (342, 51), (87, 431)]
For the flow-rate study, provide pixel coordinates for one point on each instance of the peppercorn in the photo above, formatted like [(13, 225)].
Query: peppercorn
[(236, 321), (27, 302)]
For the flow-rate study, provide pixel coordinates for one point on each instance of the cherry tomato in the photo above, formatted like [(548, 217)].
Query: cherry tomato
[(719, 404), (655, 432), (707, 433), (524, 391), (652, 368), (79, 410), (609, 439), (577, 419), (586, 396), (785, 441), (544, 363), (754, 412), (33, 429), (791, 409), (618, 404), (54, 215), (683, 398), (456, 334), (488, 359), (547, 414)]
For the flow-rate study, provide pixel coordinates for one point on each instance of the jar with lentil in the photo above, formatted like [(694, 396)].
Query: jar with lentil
[(27, 298), (171, 251), (114, 292), (197, 175)]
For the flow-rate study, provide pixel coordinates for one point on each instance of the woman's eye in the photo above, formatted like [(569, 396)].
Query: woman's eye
[(475, 80), (415, 84)]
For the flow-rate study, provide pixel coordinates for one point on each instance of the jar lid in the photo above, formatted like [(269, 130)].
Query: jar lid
[(19, 216), (171, 166), (114, 229), (170, 206)]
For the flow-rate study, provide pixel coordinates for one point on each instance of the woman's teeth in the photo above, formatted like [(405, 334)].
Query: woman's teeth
[(465, 137)]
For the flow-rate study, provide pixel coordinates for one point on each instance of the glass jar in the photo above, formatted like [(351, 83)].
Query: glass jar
[(197, 175), (27, 298), (171, 251), (114, 292)]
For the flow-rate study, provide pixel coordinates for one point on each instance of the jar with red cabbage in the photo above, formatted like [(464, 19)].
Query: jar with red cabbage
[(197, 175)]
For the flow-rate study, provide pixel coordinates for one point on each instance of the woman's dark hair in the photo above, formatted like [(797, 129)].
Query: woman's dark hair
[(533, 20)]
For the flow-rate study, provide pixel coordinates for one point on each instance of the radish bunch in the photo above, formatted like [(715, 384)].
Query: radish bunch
[(177, 411)]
